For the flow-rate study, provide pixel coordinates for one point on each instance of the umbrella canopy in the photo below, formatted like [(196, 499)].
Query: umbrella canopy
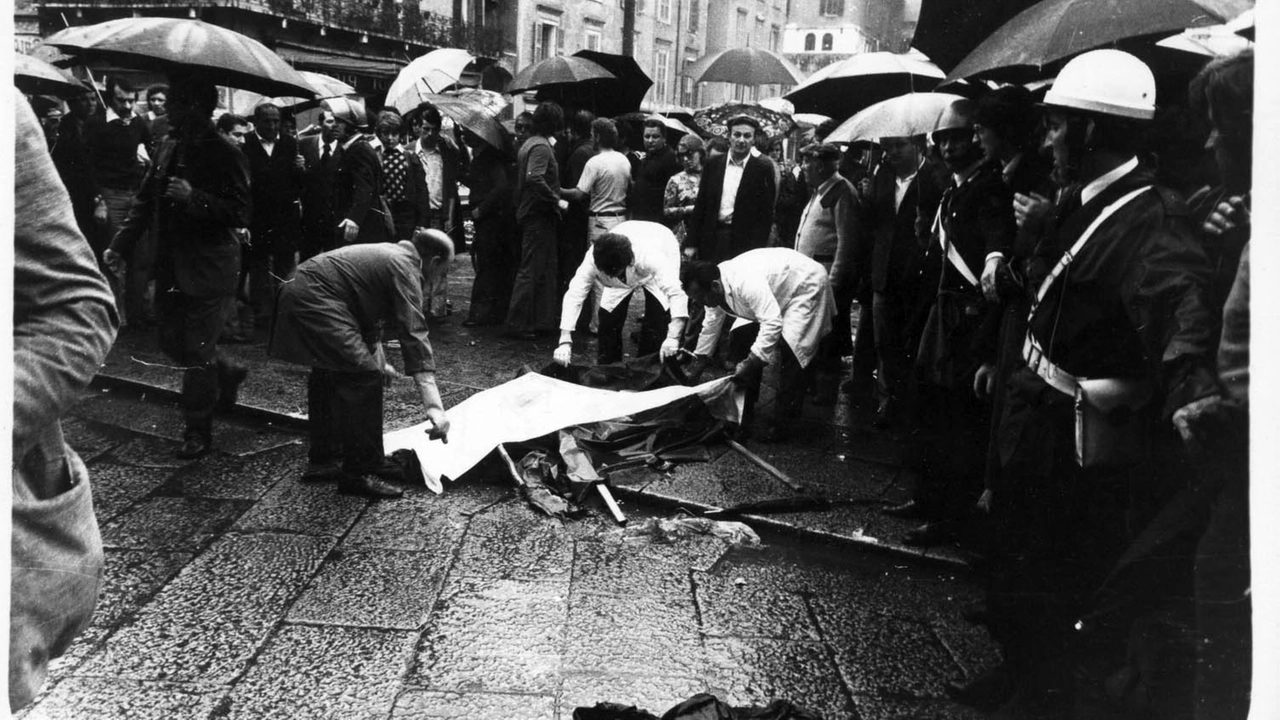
[(947, 30), (324, 86), (845, 87), (1056, 29), (37, 77), (628, 91), (177, 44), (557, 70), (711, 120), (430, 74), (902, 116), (477, 111), (745, 66), (674, 128)]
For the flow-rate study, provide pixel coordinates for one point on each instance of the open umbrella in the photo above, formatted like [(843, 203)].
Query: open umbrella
[(745, 66), (845, 87), (243, 102), (477, 111), (711, 120), (947, 30), (432, 73), (557, 70), (37, 77), (1057, 29), (623, 94), (674, 128), (177, 44), (902, 116)]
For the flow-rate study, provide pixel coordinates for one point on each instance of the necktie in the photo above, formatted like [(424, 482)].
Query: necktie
[(324, 157)]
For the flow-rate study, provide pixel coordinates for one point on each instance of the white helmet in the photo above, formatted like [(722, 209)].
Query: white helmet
[(1110, 82)]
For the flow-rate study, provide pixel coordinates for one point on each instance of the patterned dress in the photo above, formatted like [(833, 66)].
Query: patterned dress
[(681, 192)]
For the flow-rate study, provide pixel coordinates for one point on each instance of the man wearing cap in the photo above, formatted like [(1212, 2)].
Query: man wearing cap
[(734, 210), (363, 215), (633, 255), (825, 233), (1119, 320)]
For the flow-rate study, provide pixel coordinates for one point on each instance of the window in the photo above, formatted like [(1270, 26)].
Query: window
[(591, 38), (810, 43), (686, 83), (832, 8), (826, 42), (661, 72), (694, 15), (775, 37), (740, 29), (546, 39), (664, 10)]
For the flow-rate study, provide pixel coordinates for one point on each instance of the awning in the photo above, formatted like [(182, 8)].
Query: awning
[(331, 62)]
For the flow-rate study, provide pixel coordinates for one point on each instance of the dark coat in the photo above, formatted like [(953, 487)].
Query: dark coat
[(75, 167), (752, 209), (978, 219), (113, 148), (359, 194), (276, 183), (195, 239), (319, 195), (649, 185), (890, 233)]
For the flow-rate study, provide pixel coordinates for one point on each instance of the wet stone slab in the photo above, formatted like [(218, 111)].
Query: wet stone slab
[(754, 599), (754, 671), (172, 523), (80, 697), (417, 704), (377, 588), (422, 520), (879, 655), (635, 634), (728, 481), (304, 508), (878, 708), (209, 621), (970, 646), (224, 476), (246, 440), (654, 693), (513, 541), (626, 569), (313, 672), (148, 452), (116, 487), (494, 636), (157, 417), (90, 439)]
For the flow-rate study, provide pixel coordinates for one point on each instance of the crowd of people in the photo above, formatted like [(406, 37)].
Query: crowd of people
[(1059, 331)]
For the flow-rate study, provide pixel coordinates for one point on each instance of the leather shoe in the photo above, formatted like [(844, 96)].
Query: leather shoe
[(910, 510), (193, 447), (321, 472), (229, 379), (986, 692), (929, 534), (368, 486)]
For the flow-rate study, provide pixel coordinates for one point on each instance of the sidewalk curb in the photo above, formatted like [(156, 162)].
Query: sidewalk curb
[(299, 424)]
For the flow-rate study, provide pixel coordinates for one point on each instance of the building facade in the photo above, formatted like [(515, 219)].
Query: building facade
[(821, 32)]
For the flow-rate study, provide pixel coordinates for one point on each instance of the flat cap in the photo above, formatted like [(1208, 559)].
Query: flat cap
[(744, 120), (821, 151)]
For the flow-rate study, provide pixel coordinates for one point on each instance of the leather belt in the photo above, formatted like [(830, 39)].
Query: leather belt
[(1057, 378), (615, 213)]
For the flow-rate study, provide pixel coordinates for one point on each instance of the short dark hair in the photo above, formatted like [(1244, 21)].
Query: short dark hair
[(116, 81), (1011, 112), (157, 89), (428, 112), (653, 122), (580, 123), (612, 252), (198, 90), (699, 272), (261, 110), (548, 118), (606, 133), (1225, 85), (228, 121), (718, 144), (388, 121)]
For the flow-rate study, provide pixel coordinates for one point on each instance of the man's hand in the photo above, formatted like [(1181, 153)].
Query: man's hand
[(100, 212), (1030, 210), (299, 163), (1227, 216), (563, 354), (669, 348), (749, 370), (178, 189), (350, 230), (984, 380), (864, 187), (691, 253), (439, 425), (984, 502), (995, 264), (389, 374), (112, 260)]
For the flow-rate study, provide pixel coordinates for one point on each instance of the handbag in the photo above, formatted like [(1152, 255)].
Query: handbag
[(1110, 422)]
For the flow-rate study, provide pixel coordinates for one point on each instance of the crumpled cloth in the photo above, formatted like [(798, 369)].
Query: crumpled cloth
[(669, 530), (702, 706)]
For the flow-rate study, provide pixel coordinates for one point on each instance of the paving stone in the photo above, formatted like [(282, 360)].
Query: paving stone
[(210, 620), (417, 704), (879, 708), (513, 541), (90, 439), (753, 599), (172, 523), (149, 452), (116, 487), (754, 671), (494, 636), (304, 508), (970, 646), (157, 416), (224, 476), (905, 591), (375, 587), (882, 655), (633, 569), (423, 520), (247, 440), (728, 481), (654, 693), (80, 697), (313, 672), (649, 634)]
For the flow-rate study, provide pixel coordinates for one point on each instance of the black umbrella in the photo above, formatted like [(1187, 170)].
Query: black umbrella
[(628, 91), (37, 77), (947, 30)]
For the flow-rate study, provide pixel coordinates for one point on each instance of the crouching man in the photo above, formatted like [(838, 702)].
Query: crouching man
[(633, 255), (330, 317), (771, 293)]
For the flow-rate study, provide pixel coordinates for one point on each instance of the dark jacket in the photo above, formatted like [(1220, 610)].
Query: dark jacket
[(113, 148), (195, 239), (276, 183), (359, 194), (537, 179), (490, 180), (75, 166), (889, 233), (645, 197), (977, 219), (752, 209), (319, 194)]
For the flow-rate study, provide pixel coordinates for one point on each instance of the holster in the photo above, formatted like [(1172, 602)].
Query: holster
[(1110, 422)]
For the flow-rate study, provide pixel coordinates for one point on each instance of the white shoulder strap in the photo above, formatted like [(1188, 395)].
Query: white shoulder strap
[(1070, 255), (953, 255)]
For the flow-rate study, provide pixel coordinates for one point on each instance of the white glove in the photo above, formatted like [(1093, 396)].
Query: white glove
[(669, 348), (563, 354)]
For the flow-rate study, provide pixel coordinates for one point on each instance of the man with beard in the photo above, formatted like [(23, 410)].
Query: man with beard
[(321, 155), (196, 193)]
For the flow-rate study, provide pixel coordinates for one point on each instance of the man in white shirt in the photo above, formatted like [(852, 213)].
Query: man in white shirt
[(634, 255), (734, 209), (773, 294), (604, 182)]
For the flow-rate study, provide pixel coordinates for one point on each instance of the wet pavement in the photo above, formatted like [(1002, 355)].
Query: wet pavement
[(235, 591)]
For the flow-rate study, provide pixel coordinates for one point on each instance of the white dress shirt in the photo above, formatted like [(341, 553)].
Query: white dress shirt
[(656, 268)]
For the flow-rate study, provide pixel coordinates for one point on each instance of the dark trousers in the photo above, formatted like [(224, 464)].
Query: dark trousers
[(268, 267), (533, 299), (864, 352), (189, 329), (495, 272), (894, 349), (792, 378), (345, 419), (1223, 604), (653, 328)]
